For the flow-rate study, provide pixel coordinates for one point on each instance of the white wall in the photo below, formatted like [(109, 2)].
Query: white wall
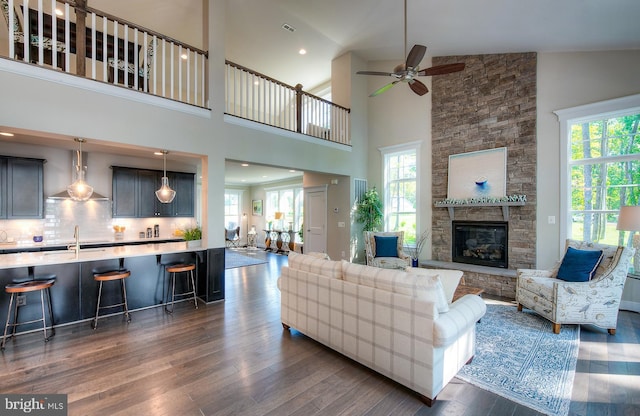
[(567, 80), (396, 117)]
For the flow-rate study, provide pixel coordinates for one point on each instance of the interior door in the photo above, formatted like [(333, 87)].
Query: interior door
[(315, 219)]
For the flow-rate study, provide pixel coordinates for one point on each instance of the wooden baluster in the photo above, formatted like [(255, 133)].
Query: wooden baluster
[(81, 37), (299, 108)]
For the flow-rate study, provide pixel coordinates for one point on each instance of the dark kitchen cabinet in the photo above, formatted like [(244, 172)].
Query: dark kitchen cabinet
[(184, 185), (21, 190), (124, 190), (134, 193)]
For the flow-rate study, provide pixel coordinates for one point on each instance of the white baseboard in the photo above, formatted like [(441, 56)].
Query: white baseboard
[(627, 305)]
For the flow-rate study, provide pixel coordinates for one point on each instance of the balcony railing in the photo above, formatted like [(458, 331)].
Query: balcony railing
[(257, 97), (69, 36)]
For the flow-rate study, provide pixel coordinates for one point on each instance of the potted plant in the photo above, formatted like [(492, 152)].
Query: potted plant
[(414, 251), (369, 210), (193, 236)]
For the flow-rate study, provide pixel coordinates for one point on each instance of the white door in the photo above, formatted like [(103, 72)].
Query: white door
[(315, 219)]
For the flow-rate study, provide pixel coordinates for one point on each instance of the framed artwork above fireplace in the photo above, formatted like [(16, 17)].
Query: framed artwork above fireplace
[(478, 174)]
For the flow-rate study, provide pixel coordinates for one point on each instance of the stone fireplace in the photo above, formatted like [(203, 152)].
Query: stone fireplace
[(491, 104), (483, 243)]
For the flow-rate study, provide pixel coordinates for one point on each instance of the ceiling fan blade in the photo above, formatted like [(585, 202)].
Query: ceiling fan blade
[(383, 89), (418, 87), (374, 73), (442, 69), (415, 56)]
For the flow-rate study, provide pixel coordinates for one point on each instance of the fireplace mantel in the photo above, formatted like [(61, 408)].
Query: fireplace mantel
[(452, 206)]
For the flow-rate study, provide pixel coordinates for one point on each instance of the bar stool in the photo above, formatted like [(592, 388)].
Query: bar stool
[(41, 277), (29, 286), (108, 276), (181, 268)]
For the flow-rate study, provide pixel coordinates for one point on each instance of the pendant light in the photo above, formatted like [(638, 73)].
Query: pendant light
[(80, 190), (165, 194)]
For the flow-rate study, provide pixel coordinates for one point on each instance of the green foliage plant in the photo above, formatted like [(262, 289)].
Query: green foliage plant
[(193, 233), (369, 211)]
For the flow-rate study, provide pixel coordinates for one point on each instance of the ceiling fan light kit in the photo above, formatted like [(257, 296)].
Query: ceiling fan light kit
[(410, 69)]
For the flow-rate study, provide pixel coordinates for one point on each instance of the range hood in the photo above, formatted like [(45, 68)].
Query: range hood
[(75, 154)]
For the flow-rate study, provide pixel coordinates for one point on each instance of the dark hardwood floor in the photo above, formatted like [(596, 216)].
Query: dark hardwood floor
[(234, 358)]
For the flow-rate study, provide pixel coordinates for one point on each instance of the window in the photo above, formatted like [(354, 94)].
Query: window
[(289, 202), (400, 166), (232, 204), (601, 169)]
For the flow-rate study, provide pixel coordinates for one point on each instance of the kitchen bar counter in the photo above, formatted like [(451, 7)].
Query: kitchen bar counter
[(43, 258), (75, 292), (7, 248)]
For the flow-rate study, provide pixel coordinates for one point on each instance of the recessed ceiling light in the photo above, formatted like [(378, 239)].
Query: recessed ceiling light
[(292, 170), (243, 180), (59, 12), (302, 51), (4, 133), (256, 82), (184, 56), (158, 153), (244, 164), (264, 176)]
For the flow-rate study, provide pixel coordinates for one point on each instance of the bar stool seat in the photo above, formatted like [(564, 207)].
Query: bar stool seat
[(15, 289), (181, 268), (108, 276)]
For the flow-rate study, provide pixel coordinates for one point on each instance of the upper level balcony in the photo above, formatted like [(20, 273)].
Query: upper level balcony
[(71, 37)]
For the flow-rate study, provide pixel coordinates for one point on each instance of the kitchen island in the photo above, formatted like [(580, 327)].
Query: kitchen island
[(74, 295)]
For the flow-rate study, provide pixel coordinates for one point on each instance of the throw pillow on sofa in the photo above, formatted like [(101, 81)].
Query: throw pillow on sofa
[(449, 279), (304, 262), (428, 289)]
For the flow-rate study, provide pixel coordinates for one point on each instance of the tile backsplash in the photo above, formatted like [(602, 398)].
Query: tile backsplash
[(94, 220)]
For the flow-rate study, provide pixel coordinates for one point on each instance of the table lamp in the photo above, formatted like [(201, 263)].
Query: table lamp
[(629, 220)]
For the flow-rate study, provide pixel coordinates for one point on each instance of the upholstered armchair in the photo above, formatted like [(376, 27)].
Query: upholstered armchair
[(384, 249), (232, 237), (552, 294)]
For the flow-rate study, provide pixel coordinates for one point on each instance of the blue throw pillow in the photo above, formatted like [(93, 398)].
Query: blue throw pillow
[(579, 265), (386, 246)]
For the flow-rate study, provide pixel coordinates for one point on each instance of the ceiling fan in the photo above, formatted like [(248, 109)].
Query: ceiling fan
[(409, 70)]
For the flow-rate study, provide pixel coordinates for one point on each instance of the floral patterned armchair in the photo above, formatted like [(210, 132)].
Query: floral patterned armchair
[(375, 257), (593, 302)]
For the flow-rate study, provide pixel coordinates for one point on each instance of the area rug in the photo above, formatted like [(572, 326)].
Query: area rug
[(233, 260), (519, 358)]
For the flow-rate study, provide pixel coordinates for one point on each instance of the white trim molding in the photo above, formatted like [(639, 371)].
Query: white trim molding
[(609, 108)]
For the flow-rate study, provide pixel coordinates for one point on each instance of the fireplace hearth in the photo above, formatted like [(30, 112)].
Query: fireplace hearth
[(480, 242)]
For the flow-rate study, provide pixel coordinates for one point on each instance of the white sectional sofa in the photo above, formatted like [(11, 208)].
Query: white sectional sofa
[(397, 323)]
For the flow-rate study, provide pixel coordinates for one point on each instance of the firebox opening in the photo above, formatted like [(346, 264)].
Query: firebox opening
[(480, 242)]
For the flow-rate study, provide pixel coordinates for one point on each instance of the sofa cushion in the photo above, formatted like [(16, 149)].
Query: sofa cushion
[(311, 264), (426, 288), (449, 279), (579, 265), (386, 246)]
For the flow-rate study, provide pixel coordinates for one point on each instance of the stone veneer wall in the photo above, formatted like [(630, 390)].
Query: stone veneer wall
[(492, 103)]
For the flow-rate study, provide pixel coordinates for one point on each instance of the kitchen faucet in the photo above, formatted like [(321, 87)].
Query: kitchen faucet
[(76, 235)]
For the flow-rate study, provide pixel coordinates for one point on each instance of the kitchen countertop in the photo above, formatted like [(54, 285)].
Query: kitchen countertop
[(41, 258), (57, 244)]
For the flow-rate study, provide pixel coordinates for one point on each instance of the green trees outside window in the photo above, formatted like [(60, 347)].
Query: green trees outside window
[(604, 168)]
